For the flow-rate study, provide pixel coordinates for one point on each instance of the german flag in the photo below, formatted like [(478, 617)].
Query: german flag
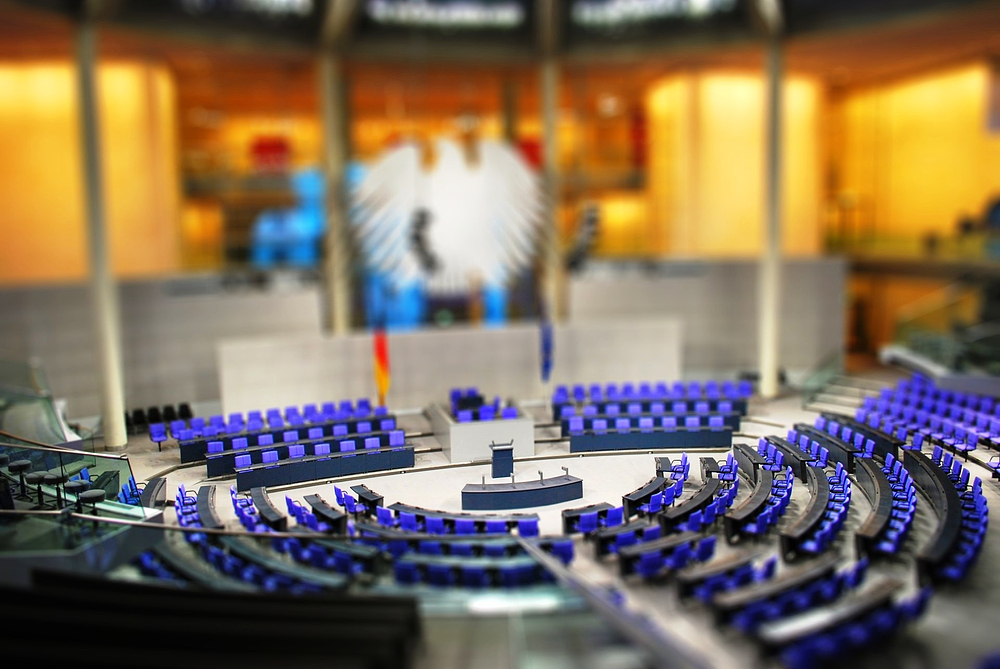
[(380, 347)]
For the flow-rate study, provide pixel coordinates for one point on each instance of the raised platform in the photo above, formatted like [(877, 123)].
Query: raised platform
[(653, 440), (470, 442), (521, 495)]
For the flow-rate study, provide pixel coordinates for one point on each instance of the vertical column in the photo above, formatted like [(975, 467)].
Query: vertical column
[(103, 291), (552, 258), (337, 271), (769, 276)]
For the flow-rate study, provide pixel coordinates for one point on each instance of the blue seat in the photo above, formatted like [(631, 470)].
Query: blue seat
[(408, 521), (475, 577), (385, 516), (407, 573), (650, 564), (527, 527), (461, 550), (563, 549), (614, 517), (706, 548), (435, 525), (588, 522), (430, 547), (624, 539), (496, 527), (465, 526)]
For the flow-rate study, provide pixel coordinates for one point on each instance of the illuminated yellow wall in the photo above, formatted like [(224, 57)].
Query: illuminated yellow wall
[(916, 155), (41, 191), (705, 181)]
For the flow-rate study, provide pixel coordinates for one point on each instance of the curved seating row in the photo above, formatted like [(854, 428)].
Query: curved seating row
[(736, 570), (893, 506), (194, 447), (219, 462), (648, 422), (702, 508), (840, 451), (791, 455), (886, 443), (830, 633), (794, 589), (924, 387), (483, 573), (706, 431), (822, 519), (961, 510), (417, 519), (313, 547), (588, 518), (692, 390), (397, 543), (672, 552), (955, 434), (331, 555), (321, 466), (762, 509), (609, 540)]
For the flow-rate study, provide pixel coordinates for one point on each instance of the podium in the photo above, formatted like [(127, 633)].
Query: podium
[(502, 459)]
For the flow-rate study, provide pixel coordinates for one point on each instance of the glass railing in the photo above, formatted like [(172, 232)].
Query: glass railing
[(27, 413), (107, 471), (941, 328), (820, 378)]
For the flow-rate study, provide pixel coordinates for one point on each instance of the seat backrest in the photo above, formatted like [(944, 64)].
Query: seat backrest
[(269, 456), (239, 443), (371, 442), (397, 438), (296, 451), (321, 449), (348, 445), (364, 427)]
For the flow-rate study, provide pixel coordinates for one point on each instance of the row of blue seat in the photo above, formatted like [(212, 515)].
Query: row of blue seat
[(671, 553), (230, 565), (738, 576), (624, 425), (322, 466), (778, 500), (648, 391), (922, 426), (861, 626), (836, 514), (222, 463), (911, 407), (516, 575), (974, 515), (485, 412), (924, 387), (255, 420), (635, 409), (386, 517), (904, 506), (814, 593)]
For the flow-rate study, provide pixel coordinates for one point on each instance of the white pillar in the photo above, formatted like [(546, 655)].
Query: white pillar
[(552, 258), (337, 262), (103, 291), (769, 276)]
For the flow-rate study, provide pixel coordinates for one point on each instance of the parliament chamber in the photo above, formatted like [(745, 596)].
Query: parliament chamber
[(455, 334)]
